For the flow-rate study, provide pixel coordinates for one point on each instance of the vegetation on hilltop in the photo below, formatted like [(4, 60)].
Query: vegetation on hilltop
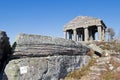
[(108, 68)]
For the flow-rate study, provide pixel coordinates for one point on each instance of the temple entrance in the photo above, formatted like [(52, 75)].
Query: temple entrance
[(80, 34), (92, 32), (84, 28)]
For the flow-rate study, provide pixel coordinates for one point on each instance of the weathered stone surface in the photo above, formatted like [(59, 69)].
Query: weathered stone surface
[(82, 21), (5, 51), (117, 59), (95, 48), (37, 57), (44, 68), (5, 48), (37, 45)]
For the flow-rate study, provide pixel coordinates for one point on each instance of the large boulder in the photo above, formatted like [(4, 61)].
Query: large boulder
[(37, 57), (44, 68), (36, 46)]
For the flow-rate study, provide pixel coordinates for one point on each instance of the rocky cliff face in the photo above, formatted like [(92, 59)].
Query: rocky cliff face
[(5, 49), (38, 57)]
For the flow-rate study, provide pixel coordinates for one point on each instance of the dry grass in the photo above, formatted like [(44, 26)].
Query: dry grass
[(117, 76), (111, 74), (114, 63), (77, 74), (91, 53), (108, 75), (110, 46)]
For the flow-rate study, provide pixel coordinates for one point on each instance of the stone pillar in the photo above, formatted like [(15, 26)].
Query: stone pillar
[(103, 33), (65, 34), (86, 34), (99, 33), (75, 34)]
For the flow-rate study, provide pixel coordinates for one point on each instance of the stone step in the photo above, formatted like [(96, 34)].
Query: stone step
[(100, 63), (97, 68), (94, 73), (103, 59)]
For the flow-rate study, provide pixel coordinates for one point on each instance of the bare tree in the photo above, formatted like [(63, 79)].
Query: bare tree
[(111, 34)]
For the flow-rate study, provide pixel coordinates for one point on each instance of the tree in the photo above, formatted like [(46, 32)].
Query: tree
[(111, 33)]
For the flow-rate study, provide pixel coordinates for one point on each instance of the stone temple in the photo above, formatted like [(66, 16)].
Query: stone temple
[(84, 28)]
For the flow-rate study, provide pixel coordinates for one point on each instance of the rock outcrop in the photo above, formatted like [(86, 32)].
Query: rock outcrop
[(44, 68), (106, 67), (5, 48), (5, 51), (38, 57), (37, 45)]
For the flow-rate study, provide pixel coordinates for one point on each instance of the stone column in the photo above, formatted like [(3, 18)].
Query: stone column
[(65, 34), (86, 34), (103, 33), (99, 33), (75, 34)]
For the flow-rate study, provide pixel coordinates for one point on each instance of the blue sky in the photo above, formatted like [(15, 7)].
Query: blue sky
[(47, 17)]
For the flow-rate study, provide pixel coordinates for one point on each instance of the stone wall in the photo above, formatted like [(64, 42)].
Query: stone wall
[(37, 57)]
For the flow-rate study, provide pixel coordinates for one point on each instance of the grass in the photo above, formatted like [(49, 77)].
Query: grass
[(110, 46), (111, 74), (77, 74), (106, 75), (114, 63), (91, 53)]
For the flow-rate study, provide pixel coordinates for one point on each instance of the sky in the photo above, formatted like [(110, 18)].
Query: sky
[(48, 17)]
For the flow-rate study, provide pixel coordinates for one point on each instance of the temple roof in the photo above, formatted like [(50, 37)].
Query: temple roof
[(82, 22)]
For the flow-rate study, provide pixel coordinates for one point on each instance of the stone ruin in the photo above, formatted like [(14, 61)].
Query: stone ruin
[(84, 28), (36, 57)]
